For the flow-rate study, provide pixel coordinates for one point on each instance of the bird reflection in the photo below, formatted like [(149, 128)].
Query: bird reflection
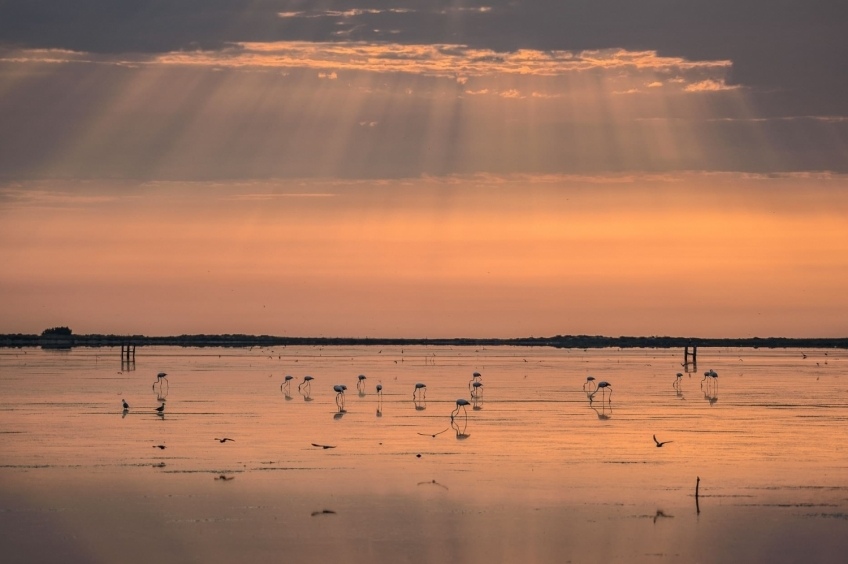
[(360, 385), (476, 403), (661, 513), (459, 426), (604, 413)]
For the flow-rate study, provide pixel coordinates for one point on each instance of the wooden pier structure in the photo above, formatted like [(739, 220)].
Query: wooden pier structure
[(690, 358), (127, 357)]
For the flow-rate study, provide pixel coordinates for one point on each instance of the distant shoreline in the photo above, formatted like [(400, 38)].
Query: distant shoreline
[(559, 341)]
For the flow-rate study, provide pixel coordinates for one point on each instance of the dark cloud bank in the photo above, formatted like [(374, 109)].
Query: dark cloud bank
[(792, 52)]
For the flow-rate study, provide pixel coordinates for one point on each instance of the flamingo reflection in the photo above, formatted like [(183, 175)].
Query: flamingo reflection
[(605, 412)]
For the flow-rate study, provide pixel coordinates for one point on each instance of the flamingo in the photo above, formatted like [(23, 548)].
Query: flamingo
[(590, 381), (306, 383), (360, 385), (380, 390), (340, 397), (420, 391), (460, 403), (286, 385), (476, 391), (602, 385), (159, 378), (676, 384), (475, 379)]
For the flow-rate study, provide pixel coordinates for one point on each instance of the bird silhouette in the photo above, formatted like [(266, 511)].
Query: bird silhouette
[(432, 434), (126, 405), (161, 409), (325, 447), (160, 447), (225, 439), (659, 444)]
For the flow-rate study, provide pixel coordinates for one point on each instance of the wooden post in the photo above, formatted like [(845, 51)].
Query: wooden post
[(127, 357), (697, 505)]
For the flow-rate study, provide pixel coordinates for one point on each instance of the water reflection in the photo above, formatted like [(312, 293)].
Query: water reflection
[(420, 405), (604, 413), (477, 403)]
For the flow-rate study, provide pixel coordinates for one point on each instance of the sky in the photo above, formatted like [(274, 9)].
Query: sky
[(425, 169)]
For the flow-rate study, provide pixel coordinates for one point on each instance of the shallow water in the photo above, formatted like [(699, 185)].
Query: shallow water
[(535, 472)]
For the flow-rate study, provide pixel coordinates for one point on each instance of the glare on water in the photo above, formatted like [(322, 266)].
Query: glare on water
[(533, 458)]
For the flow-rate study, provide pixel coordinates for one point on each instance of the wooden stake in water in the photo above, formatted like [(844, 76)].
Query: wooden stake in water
[(697, 505)]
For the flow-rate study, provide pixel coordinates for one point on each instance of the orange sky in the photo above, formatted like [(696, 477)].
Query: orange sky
[(388, 189), (707, 255)]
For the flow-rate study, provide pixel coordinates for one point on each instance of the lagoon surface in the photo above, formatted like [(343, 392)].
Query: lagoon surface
[(536, 472)]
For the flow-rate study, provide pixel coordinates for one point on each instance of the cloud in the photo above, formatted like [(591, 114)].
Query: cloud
[(709, 85)]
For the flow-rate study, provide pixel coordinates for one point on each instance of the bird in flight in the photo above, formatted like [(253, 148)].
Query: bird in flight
[(225, 439), (160, 447), (659, 444), (323, 446), (433, 434)]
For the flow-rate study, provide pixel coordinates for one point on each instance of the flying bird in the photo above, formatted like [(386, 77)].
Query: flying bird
[(160, 447), (432, 435), (659, 444), (225, 439), (325, 447)]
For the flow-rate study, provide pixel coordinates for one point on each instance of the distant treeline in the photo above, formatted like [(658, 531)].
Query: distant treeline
[(52, 339)]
